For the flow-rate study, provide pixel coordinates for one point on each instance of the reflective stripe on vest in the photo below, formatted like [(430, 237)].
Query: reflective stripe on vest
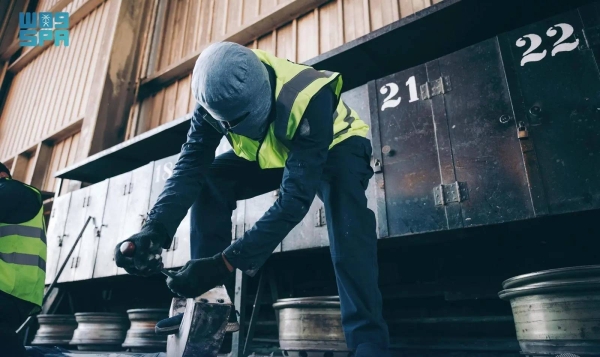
[(23, 257), (296, 85), (31, 232)]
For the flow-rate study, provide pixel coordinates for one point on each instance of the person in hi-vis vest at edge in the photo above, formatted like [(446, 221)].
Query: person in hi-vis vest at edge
[(290, 130), (22, 258)]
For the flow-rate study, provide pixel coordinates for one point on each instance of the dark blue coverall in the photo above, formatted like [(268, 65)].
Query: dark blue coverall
[(211, 186)]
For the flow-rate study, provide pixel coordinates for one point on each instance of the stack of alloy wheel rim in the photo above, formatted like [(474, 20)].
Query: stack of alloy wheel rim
[(100, 331), (55, 330), (311, 327), (556, 311), (141, 336)]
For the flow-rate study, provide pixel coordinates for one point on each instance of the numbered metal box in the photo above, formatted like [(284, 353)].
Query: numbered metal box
[(552, 70), (446, 141), (505, 130)]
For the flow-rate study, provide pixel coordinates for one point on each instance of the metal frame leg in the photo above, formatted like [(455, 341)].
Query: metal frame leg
[(255, 312), (239, 301)]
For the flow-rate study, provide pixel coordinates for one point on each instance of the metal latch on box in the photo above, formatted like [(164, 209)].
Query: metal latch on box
[(439, 86), (454, 192), (320, 220)]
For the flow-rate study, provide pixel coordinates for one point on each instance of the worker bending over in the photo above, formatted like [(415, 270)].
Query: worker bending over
[(22, 258), (290, 130)]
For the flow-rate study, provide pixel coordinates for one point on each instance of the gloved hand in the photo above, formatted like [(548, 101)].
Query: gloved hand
[(199, 276), (146, 259)]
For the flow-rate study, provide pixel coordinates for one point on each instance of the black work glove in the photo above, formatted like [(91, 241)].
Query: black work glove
[(199, 276), (146, 259)]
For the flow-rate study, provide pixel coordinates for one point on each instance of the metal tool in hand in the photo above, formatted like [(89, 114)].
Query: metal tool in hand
[(128, 249), (204, 322)]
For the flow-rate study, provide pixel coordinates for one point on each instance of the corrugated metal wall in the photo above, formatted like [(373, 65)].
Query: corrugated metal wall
[(189, 25), (51, 92)]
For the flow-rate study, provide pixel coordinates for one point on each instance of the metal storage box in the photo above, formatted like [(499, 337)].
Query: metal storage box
[(505, 130)]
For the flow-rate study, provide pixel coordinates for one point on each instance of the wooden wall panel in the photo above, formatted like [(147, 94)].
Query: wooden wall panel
[(383, 12), (355, 13), (63, 155), (331, 34), (219, 20), (8, 163), (234, 15), (250, 11), (30, 168), (175, 101), (266, 6), (203, 28), (409, 7), (190, 32), (50, 93), (310, 35), (267, 42), (286, 41), (191, 24), (45, 5)]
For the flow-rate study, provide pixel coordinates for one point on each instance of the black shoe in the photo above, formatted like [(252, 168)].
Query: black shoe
[(168, 326)]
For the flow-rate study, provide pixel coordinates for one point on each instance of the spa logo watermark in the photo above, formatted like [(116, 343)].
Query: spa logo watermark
[(36, 28)]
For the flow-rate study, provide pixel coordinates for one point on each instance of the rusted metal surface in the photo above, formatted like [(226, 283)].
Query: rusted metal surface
[(203, 326), (55, 330), (141, 336), (100, 331), (556, 311), (310, 324), (557, 97)]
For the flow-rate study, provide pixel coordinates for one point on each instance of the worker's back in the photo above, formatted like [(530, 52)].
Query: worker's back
[(22, 258)]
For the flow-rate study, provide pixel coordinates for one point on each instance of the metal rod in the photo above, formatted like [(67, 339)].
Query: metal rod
[(26, 323), (274, 292), (240, 296), (255, 312)]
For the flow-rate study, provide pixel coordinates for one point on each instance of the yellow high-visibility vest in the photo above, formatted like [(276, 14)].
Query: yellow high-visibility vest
[(296, 85), (23, 257)]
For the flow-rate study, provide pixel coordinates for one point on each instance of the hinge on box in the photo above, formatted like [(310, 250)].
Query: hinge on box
[(320, 220), (454, 192), (439, 86)]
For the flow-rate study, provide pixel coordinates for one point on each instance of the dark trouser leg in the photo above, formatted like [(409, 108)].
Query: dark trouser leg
[(229, 179), (353, 244), (13, 312)]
